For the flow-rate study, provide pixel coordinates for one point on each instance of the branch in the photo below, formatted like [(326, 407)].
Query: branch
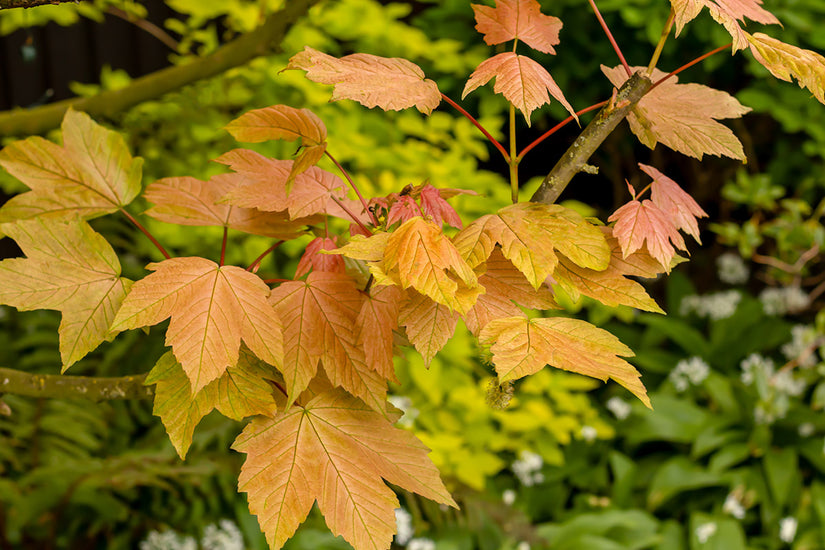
[(9, 4), (72, 387), (111, 102), (591, 138)]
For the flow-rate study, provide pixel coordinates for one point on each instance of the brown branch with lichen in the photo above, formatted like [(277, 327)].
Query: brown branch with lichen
[(58, 386), (243, 49), (10, 4), (575, 158)]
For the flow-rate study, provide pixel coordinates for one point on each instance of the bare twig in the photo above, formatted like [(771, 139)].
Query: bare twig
[(10, 4), (145, 25)]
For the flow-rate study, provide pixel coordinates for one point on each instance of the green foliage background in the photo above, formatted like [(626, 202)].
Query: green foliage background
[(81, 475)]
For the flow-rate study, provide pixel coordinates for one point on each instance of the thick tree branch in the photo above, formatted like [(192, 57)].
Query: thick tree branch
[(73, 387), (9, 4), (243, 49), (572, 162)]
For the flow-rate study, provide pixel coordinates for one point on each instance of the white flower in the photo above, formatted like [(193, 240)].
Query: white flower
[(787, 529), (589, 433), (732, 269), (527, 468), (619, 407), (779, 301), (405, 404), (689, 371), (719, 305), (755, 365), (705, 531), (785, 383), (523, 545), (167, 540), (807, 429), (403, 526), (508, 497), (801, 345), (225, 537), (421, 544), (733, 506)]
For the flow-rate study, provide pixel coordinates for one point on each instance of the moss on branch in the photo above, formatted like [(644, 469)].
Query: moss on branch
[(243, 49), (58, 386)]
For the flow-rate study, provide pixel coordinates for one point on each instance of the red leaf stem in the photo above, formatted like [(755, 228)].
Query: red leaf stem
[(355, 188), (557, 127), (690, 64), (610, 37), (146, 232), (478, 125), (253, 267), (223, 244)]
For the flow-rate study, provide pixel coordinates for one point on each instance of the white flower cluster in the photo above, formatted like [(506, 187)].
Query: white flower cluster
[(619, 407), (731, 269), (421, 544), (800, 348), (787, 529), (405, 404), (227, 536), (523, 545), (508, 497), (528, 468), (689, 371), (784, 300), (733, 506), (167, 540), (404, 530), (773, 388), (718, 305), (705, 531), (589, 433), (756, 366)]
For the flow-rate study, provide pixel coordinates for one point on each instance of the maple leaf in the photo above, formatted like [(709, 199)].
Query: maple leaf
[(92, 174), (374, 326), (243, 390), (784, 61), (419, 256), (390, 83), (428, 324), (678, 205), (505, 287), (433, 204), (333, 451), (523, 346), (190, 201), (727, 12), (636, 264), (608, 286), (528, 234), (68, 267), (261, 183), (287, 123), (522, 81), (369, 248), (683, 116), (639, 222), (313, 259), (402, 210), (319, 317), (212, 308), (518, 20)]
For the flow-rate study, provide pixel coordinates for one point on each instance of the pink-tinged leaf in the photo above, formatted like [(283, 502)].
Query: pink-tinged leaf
[(428, 324), (190, 201), (673, 201), (389, 83), (314, 260), (683, 116), (374, 328), (92, 174), (433, 204), (402, 210), (520, 20), (642, 222), (506, 288), (212, 308), (261, 183), (522, 81), (334, 451), (523, 346), (637, 264), (785, 61), (69, 268), (241, 391), (319, 317), (728, 13)]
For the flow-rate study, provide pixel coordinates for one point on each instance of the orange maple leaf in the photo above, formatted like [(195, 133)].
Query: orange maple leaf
[(313, 258), (319, 317), (434, 205), (92, 174), (523, 346), (190, 201), (70, 268), (683, 116), (212, 308), (518, 20), (374, 327), (522, 81), (637, 264), (262, 182), (389, 83), (667, 195), (728, 13), (333, 451), (243, 390), (784, 61), (639, 222), (428, 324)]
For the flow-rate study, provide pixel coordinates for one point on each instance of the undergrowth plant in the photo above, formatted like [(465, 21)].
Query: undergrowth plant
[(308, 359)]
